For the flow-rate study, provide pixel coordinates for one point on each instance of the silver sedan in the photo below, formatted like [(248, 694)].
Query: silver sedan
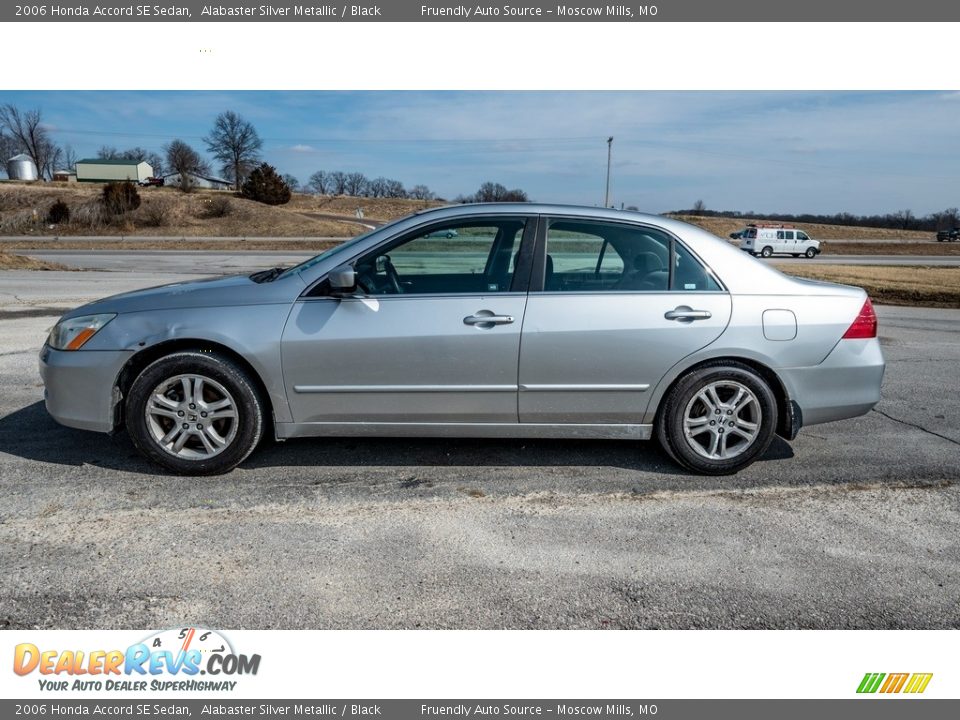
[(504, 321)]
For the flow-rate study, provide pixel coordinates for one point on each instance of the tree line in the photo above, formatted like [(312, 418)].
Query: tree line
[(899, 220)]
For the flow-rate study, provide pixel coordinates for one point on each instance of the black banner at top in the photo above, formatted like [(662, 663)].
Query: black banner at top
[(522, 11)]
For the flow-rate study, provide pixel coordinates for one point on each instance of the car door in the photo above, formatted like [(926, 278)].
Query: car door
[(612, 308), (431, 336)]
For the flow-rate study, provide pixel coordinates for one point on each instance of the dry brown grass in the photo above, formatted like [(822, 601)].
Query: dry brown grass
[(897, 285), (724, 226), (197, 214), (18, 262), (373, 208), (905, 248)]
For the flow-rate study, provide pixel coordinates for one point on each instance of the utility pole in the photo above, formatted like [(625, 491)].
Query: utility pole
[(606, 197)]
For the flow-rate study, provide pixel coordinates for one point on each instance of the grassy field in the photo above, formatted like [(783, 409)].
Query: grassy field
[(18, 262), (167, 211), (724, 226), (901, 285)]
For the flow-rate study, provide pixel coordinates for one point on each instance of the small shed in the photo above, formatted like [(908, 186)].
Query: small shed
[(100, 170), (198, 181)]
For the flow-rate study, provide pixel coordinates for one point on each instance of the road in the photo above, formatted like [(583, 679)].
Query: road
[(214, 262), (852, 525)]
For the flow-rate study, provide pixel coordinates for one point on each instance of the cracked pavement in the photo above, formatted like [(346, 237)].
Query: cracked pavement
[(853, 525)]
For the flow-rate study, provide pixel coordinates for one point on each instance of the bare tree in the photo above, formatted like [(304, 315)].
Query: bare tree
[(292, 182), (27, 130), (70, 158), (320, 182), (107, 152), (395, 189), (421, 192), (904, 218), (234, 143), (338, 182), (699, 207), (186, 162), (356, 184), (950, 218), (377, 187)]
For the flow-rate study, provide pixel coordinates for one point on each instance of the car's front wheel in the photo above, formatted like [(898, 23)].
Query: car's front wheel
[(196, 413), (811, 253), (718, 419), (767, 251)]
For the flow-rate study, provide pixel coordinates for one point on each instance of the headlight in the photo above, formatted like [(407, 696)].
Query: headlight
[(72, 334)]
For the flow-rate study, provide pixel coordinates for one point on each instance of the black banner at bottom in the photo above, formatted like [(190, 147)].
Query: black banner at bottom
[(868, 708)]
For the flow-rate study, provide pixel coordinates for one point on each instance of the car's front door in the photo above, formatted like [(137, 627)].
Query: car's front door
[(612, 308), (431, 336)]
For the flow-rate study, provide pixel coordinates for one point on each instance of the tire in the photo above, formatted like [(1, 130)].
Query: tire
[(225, 423), (685, 400), (767, 251), (811, 253)]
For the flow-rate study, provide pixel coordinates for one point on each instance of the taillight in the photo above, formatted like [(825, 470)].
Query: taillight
[(865, 325)]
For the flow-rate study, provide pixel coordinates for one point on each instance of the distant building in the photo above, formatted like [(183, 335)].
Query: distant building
[(64, 176), (198, 181), (22, 167), (99, 170)]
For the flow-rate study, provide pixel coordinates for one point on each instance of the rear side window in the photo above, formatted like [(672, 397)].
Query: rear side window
[(689, 274), (591, 256)]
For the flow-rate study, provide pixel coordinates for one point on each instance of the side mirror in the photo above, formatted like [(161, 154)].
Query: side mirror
[(343, 280)]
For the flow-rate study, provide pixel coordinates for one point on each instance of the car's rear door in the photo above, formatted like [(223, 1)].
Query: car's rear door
[(433, 338), (612, 307)]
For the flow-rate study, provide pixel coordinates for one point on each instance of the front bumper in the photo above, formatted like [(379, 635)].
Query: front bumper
[(845, 385), (80, 386)]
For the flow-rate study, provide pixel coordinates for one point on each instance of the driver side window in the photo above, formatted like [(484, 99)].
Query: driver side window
[(453, 258)]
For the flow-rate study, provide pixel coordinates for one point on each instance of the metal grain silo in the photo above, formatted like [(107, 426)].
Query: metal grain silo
[(21, 167)]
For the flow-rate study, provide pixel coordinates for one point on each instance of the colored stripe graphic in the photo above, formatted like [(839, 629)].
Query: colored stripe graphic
[(894, 682), (870, 682), (918, 683)]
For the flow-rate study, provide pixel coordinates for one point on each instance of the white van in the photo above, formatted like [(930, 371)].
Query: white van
[(765, 240)]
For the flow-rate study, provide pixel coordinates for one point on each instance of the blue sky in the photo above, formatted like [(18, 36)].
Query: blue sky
[(860, 152)]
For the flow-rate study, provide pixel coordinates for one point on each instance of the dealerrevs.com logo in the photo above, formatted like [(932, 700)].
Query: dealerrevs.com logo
[(910, 683), (170, 660)]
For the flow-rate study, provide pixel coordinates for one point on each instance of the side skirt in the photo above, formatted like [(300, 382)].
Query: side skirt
[(286, 431)]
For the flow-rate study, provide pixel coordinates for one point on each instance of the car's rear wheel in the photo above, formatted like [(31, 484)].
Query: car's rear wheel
[(767, 251), (811, 253), (196, 413), (718, 419)]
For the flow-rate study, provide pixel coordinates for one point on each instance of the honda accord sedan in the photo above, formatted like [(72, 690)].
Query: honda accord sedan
[(494, 321)]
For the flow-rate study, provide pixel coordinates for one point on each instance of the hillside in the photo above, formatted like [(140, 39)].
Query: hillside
[(722, 227), (169, 212)]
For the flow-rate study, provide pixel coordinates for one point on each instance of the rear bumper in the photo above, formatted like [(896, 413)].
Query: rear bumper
[(845, 385), (80, 387)]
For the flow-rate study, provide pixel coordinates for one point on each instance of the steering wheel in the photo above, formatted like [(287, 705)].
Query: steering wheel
[(392, 276)]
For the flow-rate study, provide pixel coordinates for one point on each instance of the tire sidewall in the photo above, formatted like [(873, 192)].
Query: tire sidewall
[(670, 425), (766, 252), (231, 376)]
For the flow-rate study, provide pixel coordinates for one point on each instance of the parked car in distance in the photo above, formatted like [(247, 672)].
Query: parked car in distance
[(769, 240), (443, 233), (539, 321), (152, 182), (948, 235)]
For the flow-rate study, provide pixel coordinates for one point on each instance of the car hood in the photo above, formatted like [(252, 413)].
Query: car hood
[(209, 292)]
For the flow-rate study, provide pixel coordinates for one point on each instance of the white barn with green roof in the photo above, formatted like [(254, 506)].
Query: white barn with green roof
[(99, 170)]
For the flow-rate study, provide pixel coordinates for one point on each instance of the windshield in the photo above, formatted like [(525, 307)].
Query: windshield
[(306, 264)]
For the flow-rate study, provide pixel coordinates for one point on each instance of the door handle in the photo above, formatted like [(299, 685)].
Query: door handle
[(487, 320), (683, 313)]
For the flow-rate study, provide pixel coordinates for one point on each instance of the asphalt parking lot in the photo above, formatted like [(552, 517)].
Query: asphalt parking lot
[(852, 525)]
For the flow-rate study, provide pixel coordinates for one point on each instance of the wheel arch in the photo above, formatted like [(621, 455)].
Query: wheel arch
[(141, 360), (789, 418)]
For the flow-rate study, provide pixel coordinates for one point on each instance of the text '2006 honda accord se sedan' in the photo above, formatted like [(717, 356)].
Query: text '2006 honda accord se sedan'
[(501, 320)]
